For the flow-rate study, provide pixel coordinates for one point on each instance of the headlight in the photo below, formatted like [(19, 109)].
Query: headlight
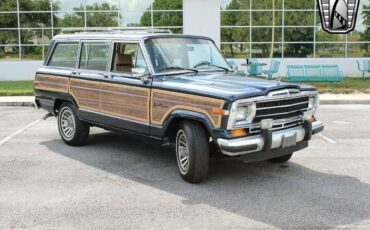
[(313, 103), (241, 114)]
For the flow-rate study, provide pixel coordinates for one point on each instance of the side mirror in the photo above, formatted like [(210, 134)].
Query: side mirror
[(138, 72)]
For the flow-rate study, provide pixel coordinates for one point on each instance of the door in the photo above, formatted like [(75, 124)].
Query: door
[(124, 96), (86, 80)]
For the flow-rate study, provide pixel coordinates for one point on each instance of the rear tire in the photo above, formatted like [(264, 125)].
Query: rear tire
[(281, 159), (72, 131), (192, 152)]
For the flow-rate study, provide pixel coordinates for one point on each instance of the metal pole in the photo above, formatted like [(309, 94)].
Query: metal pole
[(19, 33)]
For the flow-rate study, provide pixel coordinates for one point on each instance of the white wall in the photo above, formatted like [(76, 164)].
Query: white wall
[(347, 65), (202, 17), (25, 70), (18, 70)]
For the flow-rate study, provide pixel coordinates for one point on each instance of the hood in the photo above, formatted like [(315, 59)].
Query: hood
[(224, 85)]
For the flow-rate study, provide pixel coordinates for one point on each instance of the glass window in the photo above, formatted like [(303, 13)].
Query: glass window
[(297, 34), (29, 5), (304, 50), (102, 19), (68, 5), (358, 50), (70, 19), (35, 20), (179, 54), (264, 50), (235, 5), (64, 55), (94, 55), (140, 60), (266, 4), (135, 19), (8, 37), (34, 52), (235, 34), (8, 20), (238, 50), (299, 18), (330, 50), (235, 18), (8, 5), (127, 56), (167, 18), (36, 36), (9, 52), (167, 5), (299, 5), (264, 18), (265, 34), (142, 5)]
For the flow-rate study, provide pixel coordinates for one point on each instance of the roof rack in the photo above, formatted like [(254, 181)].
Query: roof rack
[(139, 30)]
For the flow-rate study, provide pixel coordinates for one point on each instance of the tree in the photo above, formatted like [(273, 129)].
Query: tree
[(163, 19)]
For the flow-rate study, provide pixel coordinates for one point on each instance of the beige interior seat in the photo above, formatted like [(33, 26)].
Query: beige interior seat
[(123, 62)]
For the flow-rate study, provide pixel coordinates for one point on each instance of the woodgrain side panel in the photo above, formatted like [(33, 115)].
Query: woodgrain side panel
[(86, 93), (52, 83), (125, 101), (164, 102)]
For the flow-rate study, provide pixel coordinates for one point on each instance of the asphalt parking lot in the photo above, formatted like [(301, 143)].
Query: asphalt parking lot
[(120, 182)]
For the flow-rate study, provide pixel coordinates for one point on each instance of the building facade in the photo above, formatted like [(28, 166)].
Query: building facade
[(282, 29)]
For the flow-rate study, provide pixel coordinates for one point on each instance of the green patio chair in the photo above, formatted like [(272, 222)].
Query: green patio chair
[(254, 69), (274, 68), (366, 67)]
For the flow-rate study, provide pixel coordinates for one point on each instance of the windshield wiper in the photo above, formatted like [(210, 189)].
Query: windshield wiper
[(209, 64), (177, 68), (220, 67)]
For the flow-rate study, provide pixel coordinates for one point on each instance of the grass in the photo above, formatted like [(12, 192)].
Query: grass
[(16, 88), (347, 86)]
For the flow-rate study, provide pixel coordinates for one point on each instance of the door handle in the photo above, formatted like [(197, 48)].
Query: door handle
[(74, 72)]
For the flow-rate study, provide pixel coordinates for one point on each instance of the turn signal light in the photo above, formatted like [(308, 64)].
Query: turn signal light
[(35, 84), (220, 112), (238, 133)]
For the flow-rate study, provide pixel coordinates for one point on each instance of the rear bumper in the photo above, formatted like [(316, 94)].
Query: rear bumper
[(270, 141)]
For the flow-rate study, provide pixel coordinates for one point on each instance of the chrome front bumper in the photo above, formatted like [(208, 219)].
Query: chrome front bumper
[(268, 140)]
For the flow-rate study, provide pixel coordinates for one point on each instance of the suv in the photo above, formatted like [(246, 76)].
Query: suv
[(176, 89)]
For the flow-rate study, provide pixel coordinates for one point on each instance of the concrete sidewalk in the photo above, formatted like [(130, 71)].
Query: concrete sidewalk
[(325, 99)]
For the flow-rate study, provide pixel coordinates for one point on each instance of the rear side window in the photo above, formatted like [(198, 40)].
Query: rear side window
[(64, 55), (94, 55)]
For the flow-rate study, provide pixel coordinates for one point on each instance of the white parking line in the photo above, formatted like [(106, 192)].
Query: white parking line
[(6, 139), (327, 139)]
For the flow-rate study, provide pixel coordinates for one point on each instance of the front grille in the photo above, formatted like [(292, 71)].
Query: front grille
[(281, 108)]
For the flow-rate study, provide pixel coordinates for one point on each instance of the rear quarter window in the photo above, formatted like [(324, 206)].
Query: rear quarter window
[(64, 55)]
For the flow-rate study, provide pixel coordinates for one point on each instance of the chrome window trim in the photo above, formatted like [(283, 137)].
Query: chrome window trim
[(231, 123)]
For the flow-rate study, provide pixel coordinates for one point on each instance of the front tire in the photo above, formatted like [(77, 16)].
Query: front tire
[(72, 131), (192, 152), (281, 159)]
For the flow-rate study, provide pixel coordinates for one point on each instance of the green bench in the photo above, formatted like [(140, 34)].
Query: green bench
[(314, 73)]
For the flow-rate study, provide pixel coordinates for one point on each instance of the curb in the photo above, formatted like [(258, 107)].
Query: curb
[(17, 103), (344, 102)]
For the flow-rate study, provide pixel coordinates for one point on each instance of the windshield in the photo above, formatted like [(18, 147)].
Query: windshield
[(184, 54)]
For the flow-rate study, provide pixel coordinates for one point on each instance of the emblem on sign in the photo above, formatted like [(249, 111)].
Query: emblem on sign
[(338, 16)]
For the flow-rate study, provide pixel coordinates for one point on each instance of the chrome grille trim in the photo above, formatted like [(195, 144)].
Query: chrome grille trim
[(269, 98)]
